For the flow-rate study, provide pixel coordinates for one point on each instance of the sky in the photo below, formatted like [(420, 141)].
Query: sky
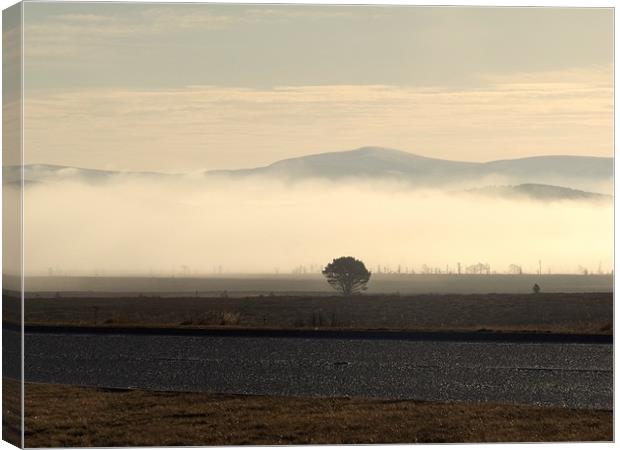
[(188, 87), (183, 88)]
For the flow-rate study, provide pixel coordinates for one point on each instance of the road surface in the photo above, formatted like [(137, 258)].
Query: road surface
[(576, 375)]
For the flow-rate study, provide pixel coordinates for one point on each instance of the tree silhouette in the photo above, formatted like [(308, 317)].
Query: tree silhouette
[(347, 275)]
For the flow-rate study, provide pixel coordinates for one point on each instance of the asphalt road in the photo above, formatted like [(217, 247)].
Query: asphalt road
[(576, 375)]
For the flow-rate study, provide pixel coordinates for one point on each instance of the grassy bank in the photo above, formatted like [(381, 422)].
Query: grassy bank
[(585, 313), (58, 416)]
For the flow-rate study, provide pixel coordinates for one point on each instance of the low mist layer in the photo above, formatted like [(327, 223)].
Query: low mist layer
[(198, 227)]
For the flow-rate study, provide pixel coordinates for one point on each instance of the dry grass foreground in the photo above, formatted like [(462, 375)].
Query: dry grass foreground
[(62, 416), (11, 412)]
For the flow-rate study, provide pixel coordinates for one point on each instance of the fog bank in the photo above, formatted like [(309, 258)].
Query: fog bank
[(197, 227)]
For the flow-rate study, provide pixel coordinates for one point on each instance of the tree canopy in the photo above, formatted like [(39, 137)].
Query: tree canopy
[(347, 275)]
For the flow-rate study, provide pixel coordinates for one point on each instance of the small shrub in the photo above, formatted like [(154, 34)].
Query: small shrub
[(230, 318)]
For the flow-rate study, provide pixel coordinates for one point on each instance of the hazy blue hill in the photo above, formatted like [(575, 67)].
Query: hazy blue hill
[(365, 162), (542, 192)]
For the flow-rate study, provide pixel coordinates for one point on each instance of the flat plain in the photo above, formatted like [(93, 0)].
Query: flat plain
[(590, 313), (242, 285)]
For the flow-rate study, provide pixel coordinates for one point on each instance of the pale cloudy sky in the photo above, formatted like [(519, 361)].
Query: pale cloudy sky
[(190, 87)]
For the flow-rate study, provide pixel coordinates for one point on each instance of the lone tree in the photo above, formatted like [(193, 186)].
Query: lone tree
[(347, 275)]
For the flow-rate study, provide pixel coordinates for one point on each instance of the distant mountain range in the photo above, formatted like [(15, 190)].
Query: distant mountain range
[(376, 162), (541, 177)]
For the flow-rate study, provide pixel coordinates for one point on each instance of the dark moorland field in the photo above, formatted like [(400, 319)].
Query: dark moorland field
[(103, 417), (590, 313)]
